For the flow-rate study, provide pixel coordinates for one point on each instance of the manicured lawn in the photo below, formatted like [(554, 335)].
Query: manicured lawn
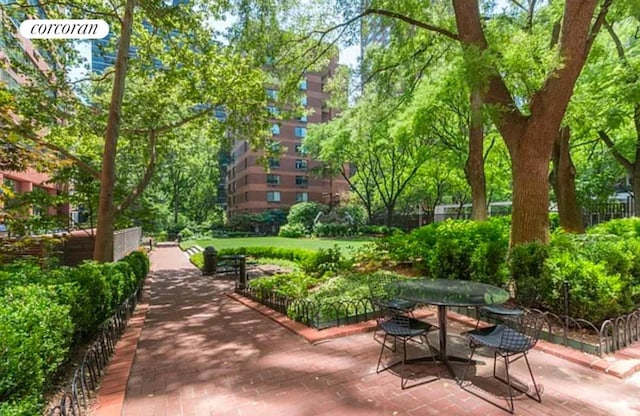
[(346, 246)]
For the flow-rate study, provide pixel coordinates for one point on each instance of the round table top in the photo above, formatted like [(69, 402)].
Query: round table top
[(449, 292)]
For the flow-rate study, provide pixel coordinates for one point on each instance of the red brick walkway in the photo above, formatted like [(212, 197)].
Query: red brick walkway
[(202, 353)]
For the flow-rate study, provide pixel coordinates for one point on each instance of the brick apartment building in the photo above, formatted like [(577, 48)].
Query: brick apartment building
[(15, 47), (289, 180)]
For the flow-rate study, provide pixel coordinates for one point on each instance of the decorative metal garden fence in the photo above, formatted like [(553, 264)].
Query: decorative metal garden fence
[(319, 315), (76, 395), (612, 335)]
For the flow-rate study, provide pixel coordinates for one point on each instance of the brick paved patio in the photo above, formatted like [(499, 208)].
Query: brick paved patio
[(202, 353)]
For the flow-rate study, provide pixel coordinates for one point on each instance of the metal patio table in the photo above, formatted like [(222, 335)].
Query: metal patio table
[(448, 292)]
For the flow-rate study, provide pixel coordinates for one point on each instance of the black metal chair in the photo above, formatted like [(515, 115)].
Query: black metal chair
[(382, 299), (403, 328), (511, 341), (498, 313)]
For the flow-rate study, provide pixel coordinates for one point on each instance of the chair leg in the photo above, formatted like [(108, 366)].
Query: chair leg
[(506, 367), (384, 342), (466, 367), (403, 384), (538, 398)]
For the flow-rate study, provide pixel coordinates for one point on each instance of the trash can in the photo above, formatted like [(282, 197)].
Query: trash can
[(210, 261)]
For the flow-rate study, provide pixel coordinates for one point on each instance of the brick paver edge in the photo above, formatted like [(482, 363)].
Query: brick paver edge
[(615, 366), (111, 393)]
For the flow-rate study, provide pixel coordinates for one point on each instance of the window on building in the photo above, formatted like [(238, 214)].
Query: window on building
[(300, 132), (274, 163), (275, 129), (273, 110), (302, 164), (302, 180), (301, 149), (273, 196), (303, 118), (302, 196), (303, 101), (272, 94), (303, 84), (273, 179)]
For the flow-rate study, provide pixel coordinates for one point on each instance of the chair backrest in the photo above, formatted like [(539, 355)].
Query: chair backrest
[(526, 332)]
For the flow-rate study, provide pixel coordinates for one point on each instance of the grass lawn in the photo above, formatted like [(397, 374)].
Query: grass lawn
[(346, 246)]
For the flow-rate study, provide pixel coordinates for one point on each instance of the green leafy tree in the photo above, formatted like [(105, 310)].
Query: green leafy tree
[(609, 108), (528, 102), (176, 79)]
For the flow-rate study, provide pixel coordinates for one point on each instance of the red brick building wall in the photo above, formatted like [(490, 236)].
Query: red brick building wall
[(248, 187)]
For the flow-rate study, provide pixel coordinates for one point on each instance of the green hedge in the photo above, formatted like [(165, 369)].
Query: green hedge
[(601, 267), (602, 271), (297, 255), (317, 262), (44, 311), (461, 249)]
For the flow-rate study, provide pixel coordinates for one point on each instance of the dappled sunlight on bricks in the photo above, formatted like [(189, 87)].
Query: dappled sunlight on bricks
[(202, 353)]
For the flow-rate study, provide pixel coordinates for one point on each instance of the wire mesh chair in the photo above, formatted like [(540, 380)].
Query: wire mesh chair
[(403, 328), (511, 341), (383, 299), (498, 313)]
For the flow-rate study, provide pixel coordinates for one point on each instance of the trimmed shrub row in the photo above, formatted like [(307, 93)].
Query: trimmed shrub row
[(43, 312), (602, 267), (461, 249), (314, 262)]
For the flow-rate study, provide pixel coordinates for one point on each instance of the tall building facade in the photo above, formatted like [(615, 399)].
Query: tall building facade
[(17, 51), (291, 178)]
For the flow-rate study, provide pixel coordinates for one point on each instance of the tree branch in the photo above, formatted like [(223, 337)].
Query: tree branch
[(169, 127), (616, 154), (146, 178), (616, 41), (413, 22), (101, 78), (65, 153), (600, 20)]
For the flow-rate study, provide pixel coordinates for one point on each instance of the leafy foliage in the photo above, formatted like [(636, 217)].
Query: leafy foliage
[(43, 311), (292, 230), (304, 213)]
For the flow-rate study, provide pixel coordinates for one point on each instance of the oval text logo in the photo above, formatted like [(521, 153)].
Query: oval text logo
[(64, 29)]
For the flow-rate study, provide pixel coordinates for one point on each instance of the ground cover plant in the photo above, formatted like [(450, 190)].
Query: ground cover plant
[(601, 268), (44, 312)]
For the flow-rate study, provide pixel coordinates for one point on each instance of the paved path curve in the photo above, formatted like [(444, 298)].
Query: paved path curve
[(201, 353)]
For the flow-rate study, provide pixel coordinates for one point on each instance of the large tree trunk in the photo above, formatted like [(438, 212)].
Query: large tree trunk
[(530, 138), (563, 180), (635, 179), (474, 167), (103, 250), (389, 219), (530, 217)]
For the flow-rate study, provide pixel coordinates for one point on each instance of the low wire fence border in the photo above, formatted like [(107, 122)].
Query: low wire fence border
[(313, 314), (612, 335), (77, 394)]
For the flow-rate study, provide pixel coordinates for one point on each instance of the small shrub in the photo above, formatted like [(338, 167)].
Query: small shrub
[(294, 285), (185, 234), (305, 213), (292, 230), (624, 227), (526, 266), (332, 229), (327, 260), (35, 334)]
